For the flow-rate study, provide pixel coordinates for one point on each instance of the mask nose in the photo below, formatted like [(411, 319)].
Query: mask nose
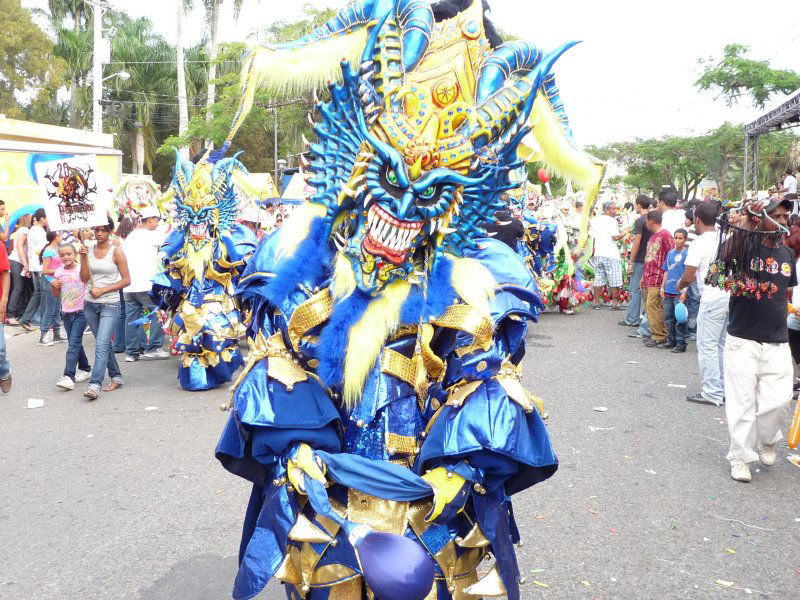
[(402, 207)]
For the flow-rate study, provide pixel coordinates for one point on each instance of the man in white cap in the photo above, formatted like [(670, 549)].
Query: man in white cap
[(141, 250)]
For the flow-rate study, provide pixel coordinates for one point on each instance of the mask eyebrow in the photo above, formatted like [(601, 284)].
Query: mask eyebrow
[(438, 176)]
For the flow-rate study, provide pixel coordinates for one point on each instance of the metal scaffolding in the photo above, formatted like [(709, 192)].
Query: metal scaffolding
[(787, 115)]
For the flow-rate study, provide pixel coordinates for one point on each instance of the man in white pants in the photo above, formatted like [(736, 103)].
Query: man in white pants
[(758, 362), (712, 317)]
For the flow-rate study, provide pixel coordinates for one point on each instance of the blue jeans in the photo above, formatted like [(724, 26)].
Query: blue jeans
[(119, 327), (102, 319), (52, 309), (135, 305), (644, 327), (5, 368), (676, 332), (75, 324), (634, 313), (36, 303), (693, 306)]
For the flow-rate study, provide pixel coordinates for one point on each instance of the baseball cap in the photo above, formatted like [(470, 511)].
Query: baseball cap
[(775, 203), (251, 214), (148, 212)]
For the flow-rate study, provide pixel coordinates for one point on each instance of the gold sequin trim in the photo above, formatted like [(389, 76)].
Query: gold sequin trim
[(382, 515), (314, 311), (469, 319), (401, 444), (397, 365)]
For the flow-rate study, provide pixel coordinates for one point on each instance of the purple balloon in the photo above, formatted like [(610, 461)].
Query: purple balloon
[(395, 567)]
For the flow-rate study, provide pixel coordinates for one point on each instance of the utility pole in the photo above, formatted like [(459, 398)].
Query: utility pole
[(97, 69), (275, 156)]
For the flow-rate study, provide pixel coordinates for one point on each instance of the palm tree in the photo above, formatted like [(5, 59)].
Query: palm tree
[(147, 96), (74, 46), (183, 110), (212, 17)]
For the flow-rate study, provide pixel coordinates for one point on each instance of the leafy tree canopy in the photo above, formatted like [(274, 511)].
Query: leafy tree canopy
[(29, 73), (736, 75)]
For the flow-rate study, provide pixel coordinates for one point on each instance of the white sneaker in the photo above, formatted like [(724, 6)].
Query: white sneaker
[(157, 354), (766, 454), (740, 471), (82, 375), (66, 383), (129, 358), (46, 339)]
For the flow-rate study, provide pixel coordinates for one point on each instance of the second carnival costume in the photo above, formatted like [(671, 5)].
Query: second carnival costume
[(203, 258), (380, 416)]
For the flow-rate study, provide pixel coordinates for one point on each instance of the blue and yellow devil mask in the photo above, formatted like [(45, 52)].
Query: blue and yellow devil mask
[(416, 143)]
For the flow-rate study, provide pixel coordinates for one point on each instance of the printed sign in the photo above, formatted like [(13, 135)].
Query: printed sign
[(72, 196)]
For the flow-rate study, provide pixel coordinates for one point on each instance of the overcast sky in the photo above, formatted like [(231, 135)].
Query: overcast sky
[(631, 77)]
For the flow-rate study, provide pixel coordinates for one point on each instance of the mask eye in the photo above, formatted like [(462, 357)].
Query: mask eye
[(391, 177), (428, 193)]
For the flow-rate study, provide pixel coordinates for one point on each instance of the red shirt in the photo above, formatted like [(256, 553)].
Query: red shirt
[(658, 247), (4, 266)]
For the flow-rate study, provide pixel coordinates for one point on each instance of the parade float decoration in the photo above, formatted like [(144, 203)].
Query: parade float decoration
[(203, 258), (380, 415), (133, 194)]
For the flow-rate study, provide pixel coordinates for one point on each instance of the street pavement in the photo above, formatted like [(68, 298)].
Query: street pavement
[(110, 500)]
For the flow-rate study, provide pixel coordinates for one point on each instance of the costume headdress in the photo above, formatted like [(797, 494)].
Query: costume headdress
[(416, 143)]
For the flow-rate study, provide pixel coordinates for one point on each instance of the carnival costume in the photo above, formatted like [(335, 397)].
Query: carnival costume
[(203, 259), (380, 415)]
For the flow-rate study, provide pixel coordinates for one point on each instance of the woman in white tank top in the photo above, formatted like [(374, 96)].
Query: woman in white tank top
[(105, 271)]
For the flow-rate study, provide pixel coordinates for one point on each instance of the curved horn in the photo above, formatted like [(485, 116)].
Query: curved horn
[(512, 102), (509, 58), (180, 176), (415, 18)]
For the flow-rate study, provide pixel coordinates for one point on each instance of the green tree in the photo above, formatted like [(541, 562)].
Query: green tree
[(27, 65), (668, 161), (256, 135), (735, 75)]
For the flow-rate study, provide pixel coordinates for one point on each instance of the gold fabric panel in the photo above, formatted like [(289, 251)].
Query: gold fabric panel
[(288, 571), (490, 586), (332, 575), (282, 364), (382, 515), (349, 590), (458, 393), (474, 539), (509, 377)]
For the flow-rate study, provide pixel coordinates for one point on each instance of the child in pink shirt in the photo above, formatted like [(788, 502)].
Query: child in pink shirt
[(67, 284)]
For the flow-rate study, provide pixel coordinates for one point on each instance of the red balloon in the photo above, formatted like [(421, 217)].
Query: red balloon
[(543, 175)]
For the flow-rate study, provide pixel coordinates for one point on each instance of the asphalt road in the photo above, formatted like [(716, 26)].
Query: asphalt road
[(109, 500)]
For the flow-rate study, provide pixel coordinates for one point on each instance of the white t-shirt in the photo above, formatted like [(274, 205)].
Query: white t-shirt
[(141, 251), (790, 183), (792, 321), (37, 239), (603, 228), (14, 254), (673, 219), (700, 254)]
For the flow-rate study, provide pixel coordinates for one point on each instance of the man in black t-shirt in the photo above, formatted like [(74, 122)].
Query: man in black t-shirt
[(507, 228), (757, 359), (641, 235)]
